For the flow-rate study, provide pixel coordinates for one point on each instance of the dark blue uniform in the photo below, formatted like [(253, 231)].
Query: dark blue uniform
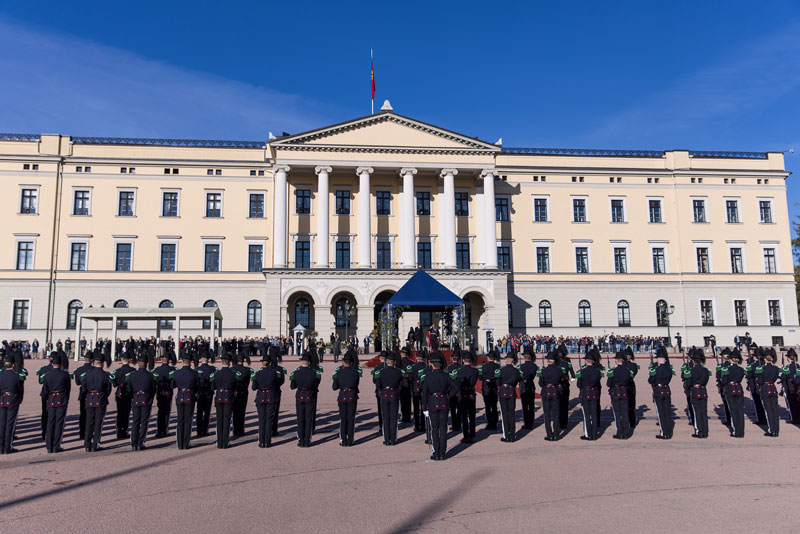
[(12, 390), (527, 392), (97, 386), (164, 395), (186, 382), (56, 387), (267, 383), (388, 381), (465, 379), (765, 377), (698, 393), (507, 378), (346, 380), (789, 374), (375, 372), (240, 398), (633, 367), (223, 383), (123, 397), (750, 372), (79, 372), (619, 381), (306, 381), (40, 376), (142, 385), (731, 381), (589, 385), (563, 397), (550, 379), (486, 373), (205, 396), (437, 388), (659, 379), (415, 373), (455, 418)]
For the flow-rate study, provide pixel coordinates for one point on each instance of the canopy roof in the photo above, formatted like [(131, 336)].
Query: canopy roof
[(423, 293), (130, 314)]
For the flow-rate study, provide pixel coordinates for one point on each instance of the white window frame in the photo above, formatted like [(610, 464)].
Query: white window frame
[(661, 202), (385, 189), (209, 241), (510, 244), (469, 239), (624, 245), (543, 243), (25, 238), (738, 201), (172, 241), (221, 192), (121, 190), (264, 192), (37, 188), (661, 245), (350, 238), (771, 201), (713, 311), (624, 209), (706, 211), (352, 206), (161, 207), (534, 198), (390, 238), (297, 187), (780, 310), (740, 245), (83, 239), (773, 245), (127, 240), (587, 244), (294, 238), (469, 204), (746, 309), (30, 313), (585, 199), (706, 245), (88, 189)]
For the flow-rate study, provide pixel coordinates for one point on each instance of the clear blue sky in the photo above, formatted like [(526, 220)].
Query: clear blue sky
[(702, 75)]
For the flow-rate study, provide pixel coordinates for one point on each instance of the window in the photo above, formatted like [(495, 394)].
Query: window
[(168, 257), (211, 264), (127, 170), (504, 258), (253, 173), (28, 202), (774, 307), (255, 258), (699, 210), (617, 210), (545, 314), (302, 201), (424, 255), (777, 341), (501, 209), (662, 314), (737, 265), (740, 310), (655, 211), (702, 260), (540, 209), (166, 171), (213, 204), (126, 199), (123, 262), (254, 314), (73, 308), (166, 323), (706, 313), (384, 255), (121, 324), (462, 204), (542, 259), (659, 261), (301, 312), (22, 310), (732, 210), (256, 205), (78, 257), (462, 255), (620, 260), (169, 204), (342, 198), (423, 203), (581, 259), (24, 255), (584, 313), (302, 255), (207, 322), (765, 211), (623, 313), (383, 203), (578, 210), (770, 267), (80, 204), (342, 254)]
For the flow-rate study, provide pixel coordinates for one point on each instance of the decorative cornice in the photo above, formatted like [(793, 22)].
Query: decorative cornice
[(385, 149)]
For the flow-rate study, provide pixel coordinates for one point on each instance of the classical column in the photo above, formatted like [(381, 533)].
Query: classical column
[(364, 218), (490, 218), (279, 213), (407, 219), (323, 217), (448, 215)]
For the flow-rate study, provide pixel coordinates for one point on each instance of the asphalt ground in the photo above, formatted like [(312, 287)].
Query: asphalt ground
[(719, 484)]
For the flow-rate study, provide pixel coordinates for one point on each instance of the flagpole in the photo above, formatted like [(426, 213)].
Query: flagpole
[(372, 76)]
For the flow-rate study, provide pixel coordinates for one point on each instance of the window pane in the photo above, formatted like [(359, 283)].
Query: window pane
[(501, 209), (542, 260), (774, 312), (126, 204), (540, 209), (303, 201), (740, 308), (732, 210), (706, 313), (255, 254), (170, 205), (28, 203), (462, 255), (545, 314), (504, 258), (302, 255), (212, 259), (581, 260), (342, 202), (21, 312), (737, 265), (655, 211), (253, 314), (256, 205), (383, 203), (423, 203), (659, 262), (702, 260), (25, 255), (424, 255), (123, 257), (168, 257), (620, 260), (214, 205), (462, 204), (78, 257), (770, 266), (617, 211), (384, 255), (579, 210), (342, 255), (699, 210)]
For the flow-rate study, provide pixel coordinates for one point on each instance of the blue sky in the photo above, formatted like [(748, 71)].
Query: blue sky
[(702, 75)]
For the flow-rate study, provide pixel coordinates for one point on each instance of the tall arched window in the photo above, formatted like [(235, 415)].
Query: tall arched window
[(301, 312), (254, 314), (545, 313), (207, 322), (584, 313), (121, 303), (623, 313), (166, 323), (662, 316), (72, 313)]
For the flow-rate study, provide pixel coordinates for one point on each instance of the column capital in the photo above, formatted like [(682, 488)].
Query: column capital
[(362, 170), (451, 172), (487, 172), (408, 170), (284, 168), (326, 170)]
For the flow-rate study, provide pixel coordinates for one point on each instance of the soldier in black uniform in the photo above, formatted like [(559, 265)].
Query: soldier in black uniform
[(164, 396), (223, 383), (755, 360), (12, 390), (375, 372), (205, 394), (142, 384), (507, 378), (765, 377), (725, 354), (87, 364), (564, 396), (486, 373), (631, 364), (698, 393), (436, 392), (405, 390), (305, 380), (43, 370), (275, 359), (267, 383), (589, 378), (466, 378), (731, 380), (123, 396), (789, 383), (415, 373), (55, 390), (619, 380), (388, 381), (97, 386), (660, 376), (187, 383), (452, 370), (241, 394), (527, 387), (550, 386), (345, 380)]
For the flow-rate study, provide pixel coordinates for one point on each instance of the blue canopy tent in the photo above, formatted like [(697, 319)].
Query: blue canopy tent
[(423, 293)]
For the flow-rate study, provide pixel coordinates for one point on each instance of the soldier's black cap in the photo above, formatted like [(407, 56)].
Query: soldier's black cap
[(698, 357), (551, 356), (55, 357), (306, 357), (240, 357), (620, 355), (661, 352), (225, 358), (142, 359), (436, 357), (348, 358), (405, 350), (390, 357), (629, 352), (456, 355), (98, 357), (266, 358), (494, 355), (529, 351), (466, 357), (736, 356), (725, 352), (384, 354), (791, 353)]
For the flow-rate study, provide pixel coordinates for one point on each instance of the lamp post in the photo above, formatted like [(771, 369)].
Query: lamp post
[(348, 312), (669, 311)]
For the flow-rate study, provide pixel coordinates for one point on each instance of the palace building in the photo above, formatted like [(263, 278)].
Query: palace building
[(288, 230)]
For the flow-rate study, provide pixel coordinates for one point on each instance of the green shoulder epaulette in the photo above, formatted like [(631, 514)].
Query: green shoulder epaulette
[(172, 373), (578, 372), (610, 373), (497, 373)]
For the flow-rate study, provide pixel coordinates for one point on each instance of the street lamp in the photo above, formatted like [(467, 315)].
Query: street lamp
[(347, 310), (670, 311)]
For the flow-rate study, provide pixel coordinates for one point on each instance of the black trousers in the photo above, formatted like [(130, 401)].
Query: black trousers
[(380, 414), (466, 408), (123, 415), (700, 408), (94, 426), (266, 415), (239, 410), (203, 414), (455, 418), (305, 422), (551, 407), (590, 419), (771, 410), (347, 422), (689, 410), (183, 431), (664, 410), (55, 427), (44, 417), (438, 421), (620, 408), (761, 416), (164, 409), (224, 412), (632, 406), (528, 407), (140, 423), (82, 417), (793, 404), (277, 416), (419, 417), (563, 407), (490, 406), (508, 409), (726, 408), (405, 405), (8, 422), (736, 405), (389, 418)]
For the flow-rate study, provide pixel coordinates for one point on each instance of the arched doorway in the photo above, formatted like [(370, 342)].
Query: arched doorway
[(301, 311), (345, 314), (380, 301), (475, 307)]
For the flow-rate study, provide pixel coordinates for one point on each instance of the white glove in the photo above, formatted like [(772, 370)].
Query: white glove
[(426, 413)]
